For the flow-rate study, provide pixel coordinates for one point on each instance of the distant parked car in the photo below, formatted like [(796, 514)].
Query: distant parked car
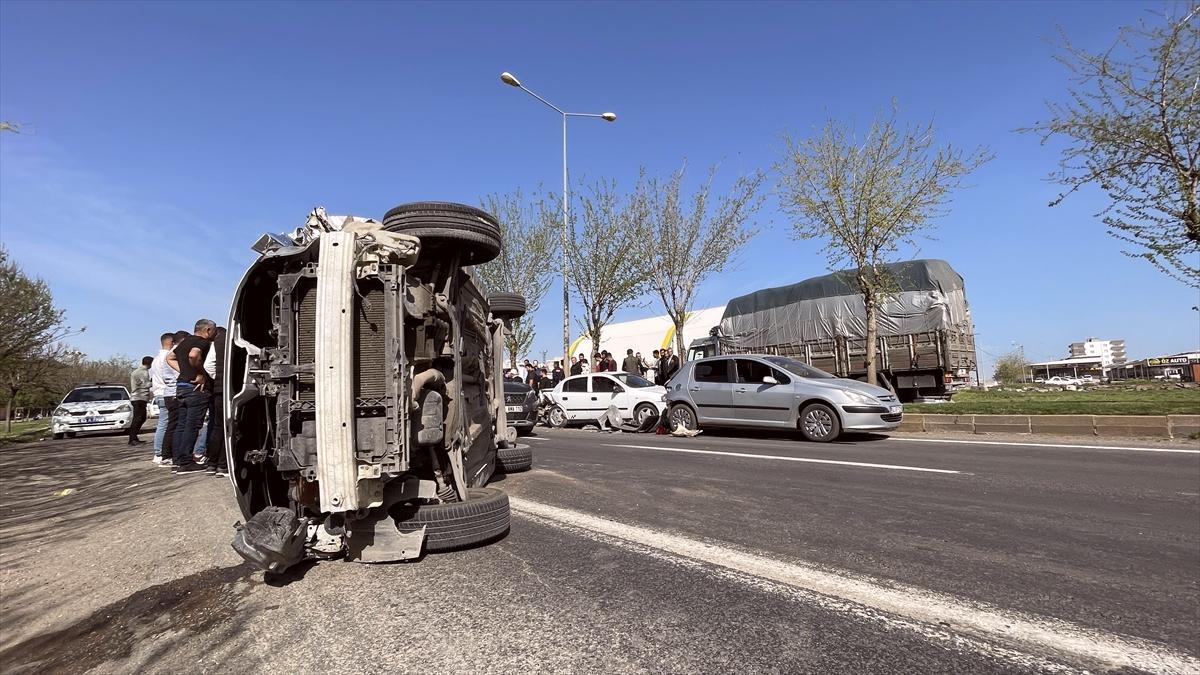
[(584, 398), (1039, 380), (92, 407), (1063, 381), (775, 392), (520, 406), (1087, 379)]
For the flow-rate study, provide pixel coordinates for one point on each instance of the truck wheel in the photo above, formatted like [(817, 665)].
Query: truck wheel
[(507, 306), (819, 423), (682, 416), (512, 460), (445, 227), (557, 417), (483, 517)]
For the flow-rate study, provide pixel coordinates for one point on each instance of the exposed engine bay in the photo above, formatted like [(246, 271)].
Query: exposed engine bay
[(363, 391)]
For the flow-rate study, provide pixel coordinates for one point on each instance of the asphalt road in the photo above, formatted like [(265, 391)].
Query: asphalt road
[(634, 553)]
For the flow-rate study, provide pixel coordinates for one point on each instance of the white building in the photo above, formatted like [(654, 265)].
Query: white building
[(1111, 352)]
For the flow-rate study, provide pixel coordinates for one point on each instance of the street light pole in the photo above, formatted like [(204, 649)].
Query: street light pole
[(511, 80)]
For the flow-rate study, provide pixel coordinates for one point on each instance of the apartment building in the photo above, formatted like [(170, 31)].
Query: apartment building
[(1111, 352)]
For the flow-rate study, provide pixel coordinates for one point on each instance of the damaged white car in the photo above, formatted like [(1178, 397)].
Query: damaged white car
[(363, 395)]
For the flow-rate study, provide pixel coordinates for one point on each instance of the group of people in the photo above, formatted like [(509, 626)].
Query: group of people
[(184, 380), (658, 368)]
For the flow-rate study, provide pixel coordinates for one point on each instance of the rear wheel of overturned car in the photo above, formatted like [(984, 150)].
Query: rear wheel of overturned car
[(507, 306), (445, 228), (512, 460), (682, 416), (819, 423), (482, 518), (557, 417)]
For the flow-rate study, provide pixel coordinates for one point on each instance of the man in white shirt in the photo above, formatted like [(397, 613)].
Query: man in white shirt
[(162, 387)]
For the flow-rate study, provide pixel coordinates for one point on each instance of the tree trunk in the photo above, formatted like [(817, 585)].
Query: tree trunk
[(679, 346), (8, 415), (872, 337), (594, 334)]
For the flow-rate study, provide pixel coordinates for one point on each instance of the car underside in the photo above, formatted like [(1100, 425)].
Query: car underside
[(363, 398)]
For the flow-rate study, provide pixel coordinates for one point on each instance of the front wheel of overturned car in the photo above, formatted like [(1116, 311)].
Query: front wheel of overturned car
[(482, 518), (512, 460), (682, 416), (819, 423), (557, 417), (507, 306)]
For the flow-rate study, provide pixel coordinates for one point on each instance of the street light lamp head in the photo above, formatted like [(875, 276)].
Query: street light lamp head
[(609, 116), (509, 79)]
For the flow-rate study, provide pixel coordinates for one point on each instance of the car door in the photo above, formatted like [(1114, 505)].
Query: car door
[(711, 389), (574, 397), (606, 391), (759, 403)]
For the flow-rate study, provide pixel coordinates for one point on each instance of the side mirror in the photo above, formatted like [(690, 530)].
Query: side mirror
[(770, 380), (618, 390)]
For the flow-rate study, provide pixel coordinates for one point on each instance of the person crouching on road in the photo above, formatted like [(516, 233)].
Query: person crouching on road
[(193, 393), (139, 398)]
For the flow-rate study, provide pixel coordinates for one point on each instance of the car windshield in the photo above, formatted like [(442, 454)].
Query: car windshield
[(515, 388), (635, 381), (796, 368), (93, 394)]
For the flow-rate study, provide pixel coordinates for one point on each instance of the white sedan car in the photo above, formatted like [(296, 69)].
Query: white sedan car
[(584, 398), (1063, 381), (92, 407)]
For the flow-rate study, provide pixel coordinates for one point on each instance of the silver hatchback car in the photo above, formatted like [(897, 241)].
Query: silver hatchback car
[(776, 392)]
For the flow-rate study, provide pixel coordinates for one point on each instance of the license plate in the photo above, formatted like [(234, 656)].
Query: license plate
[(513, 408), (897, 408), (91, 420)]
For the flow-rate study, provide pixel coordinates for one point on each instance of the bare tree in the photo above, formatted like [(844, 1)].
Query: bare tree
[(1132, 124), (608, 255), (866, 198), (530, 241), (691, 239), (33, 330)]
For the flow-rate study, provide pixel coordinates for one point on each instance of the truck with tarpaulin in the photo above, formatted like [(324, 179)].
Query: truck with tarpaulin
[(926, 339)]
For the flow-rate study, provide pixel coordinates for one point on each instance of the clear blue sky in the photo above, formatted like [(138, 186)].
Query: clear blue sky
[(160, 139)]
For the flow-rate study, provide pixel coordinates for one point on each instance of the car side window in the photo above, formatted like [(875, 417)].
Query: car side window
[(753, 372), (575, 385), (602, 384), (713, 371)]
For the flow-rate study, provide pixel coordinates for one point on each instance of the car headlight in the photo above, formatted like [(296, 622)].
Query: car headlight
[(124, 407), (860, 397), (60, 411)]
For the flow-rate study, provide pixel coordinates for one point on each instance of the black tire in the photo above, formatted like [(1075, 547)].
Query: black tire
[(642, 412), (681, 414), (58, 437), (482, 518), (819, 423), (444, 227), (512, 460), (70, 434), (557, 417), (507, 305)]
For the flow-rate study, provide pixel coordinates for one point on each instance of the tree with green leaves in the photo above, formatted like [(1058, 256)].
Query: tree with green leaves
[(865, 198), (530, 241), (1012, 368), (1132, 127), (691, 239), (33, 329), (609, 257)]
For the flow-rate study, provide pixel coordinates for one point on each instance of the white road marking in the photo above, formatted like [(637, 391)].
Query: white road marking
[(536, 438), (1019, 637), (868, 465), (1045, 445)]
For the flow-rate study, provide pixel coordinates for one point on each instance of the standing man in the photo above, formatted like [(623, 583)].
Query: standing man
[(584, 366), (656, 367), (557, 374), (162, 385), (139, 398), (672, 365), (576, 367), (215, 367), (631, 364), (192, 391)]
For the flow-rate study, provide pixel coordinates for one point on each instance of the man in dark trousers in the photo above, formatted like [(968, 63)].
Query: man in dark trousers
[(631, 364), (193, 393), (139, 398), (557, 374), (215, 367)]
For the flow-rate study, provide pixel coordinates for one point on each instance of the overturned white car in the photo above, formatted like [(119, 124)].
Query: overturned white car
[(363, 396)]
